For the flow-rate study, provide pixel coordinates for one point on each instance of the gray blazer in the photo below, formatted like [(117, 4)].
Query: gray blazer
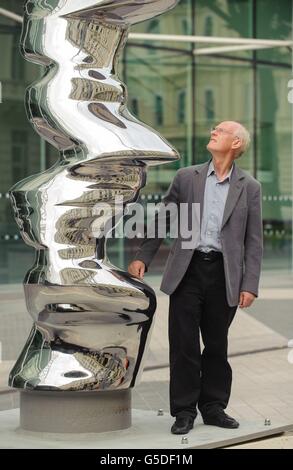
[(241, 232)]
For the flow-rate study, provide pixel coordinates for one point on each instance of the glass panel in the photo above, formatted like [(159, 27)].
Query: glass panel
[(177, 21), (224, 18), (274, 164), (161, 85), (230, 18), (19, 158), (13, 5), (274, 21), (20, 147), (224, 92), (161, 88)]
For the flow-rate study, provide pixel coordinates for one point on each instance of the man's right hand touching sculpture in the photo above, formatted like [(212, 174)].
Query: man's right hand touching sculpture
[(137, 269)]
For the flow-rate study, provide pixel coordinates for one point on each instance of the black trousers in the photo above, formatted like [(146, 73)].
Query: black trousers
[(199, 304)]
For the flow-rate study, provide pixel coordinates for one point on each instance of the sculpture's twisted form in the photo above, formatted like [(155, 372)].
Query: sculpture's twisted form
[(91, 320)]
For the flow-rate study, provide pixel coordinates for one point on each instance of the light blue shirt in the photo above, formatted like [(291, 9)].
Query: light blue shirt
[(215, 197)]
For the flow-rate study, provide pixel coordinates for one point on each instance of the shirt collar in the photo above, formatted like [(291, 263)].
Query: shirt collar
[(211, 170)]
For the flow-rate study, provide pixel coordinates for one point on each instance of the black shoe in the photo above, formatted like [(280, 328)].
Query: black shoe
[(182, 425), (221, 419)]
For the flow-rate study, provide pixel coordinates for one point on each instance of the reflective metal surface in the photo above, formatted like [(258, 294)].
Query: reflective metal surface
[(92, 321)]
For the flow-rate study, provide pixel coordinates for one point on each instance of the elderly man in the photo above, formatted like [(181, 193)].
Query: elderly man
[(206, 284)]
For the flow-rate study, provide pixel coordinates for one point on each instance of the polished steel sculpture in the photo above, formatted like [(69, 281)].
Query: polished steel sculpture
[(92, 320)]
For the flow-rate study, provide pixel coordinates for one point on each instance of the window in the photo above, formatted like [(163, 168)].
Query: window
[(208, 26), (185, 26), (134, 106), (159, 110), (17, 61), (181, 109), (209, 105), (153, 28), (18, 154)]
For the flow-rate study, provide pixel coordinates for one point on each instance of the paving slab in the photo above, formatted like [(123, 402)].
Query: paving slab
[(148, 431)]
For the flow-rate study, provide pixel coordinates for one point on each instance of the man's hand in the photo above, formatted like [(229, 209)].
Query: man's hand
[(137, 269), (246, 299)]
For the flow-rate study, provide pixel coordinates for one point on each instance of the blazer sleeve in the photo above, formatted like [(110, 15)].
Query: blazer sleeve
[(150, 246), (253, 244)]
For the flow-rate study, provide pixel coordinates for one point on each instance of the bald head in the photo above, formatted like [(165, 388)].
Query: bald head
[(229, 136)]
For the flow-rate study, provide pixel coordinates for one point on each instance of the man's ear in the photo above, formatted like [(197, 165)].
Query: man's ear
[(236, 143)]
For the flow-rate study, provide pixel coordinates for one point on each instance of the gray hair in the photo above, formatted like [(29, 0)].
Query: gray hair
[(244, 136)]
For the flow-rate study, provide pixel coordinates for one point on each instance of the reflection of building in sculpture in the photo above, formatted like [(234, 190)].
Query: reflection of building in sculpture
[(99, 41), (86, 369)]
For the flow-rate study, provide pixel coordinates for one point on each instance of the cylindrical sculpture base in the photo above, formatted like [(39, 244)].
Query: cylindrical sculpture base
[(75, 412)]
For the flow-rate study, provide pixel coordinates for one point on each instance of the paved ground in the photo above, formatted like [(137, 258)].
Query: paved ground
[(261, 362), (147, 431)]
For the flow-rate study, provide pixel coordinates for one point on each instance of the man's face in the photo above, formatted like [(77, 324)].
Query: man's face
[(222, 137)]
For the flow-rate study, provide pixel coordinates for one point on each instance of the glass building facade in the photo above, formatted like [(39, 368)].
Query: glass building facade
[(182, 93)]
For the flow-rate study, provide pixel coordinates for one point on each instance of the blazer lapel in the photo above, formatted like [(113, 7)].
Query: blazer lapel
[(199, 182), (235, 189)]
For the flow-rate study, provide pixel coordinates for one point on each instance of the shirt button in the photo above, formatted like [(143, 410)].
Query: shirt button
[(208, 232)]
